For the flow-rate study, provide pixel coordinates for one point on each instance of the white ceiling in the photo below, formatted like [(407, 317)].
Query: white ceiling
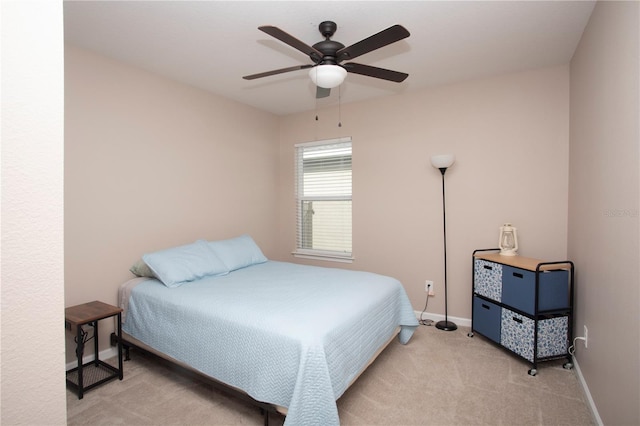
[(212, 44)]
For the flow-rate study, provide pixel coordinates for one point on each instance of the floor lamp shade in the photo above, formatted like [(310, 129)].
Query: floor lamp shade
[(443, 162)]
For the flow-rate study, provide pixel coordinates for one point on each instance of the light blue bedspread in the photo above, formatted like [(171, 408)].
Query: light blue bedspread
[(286, 334)]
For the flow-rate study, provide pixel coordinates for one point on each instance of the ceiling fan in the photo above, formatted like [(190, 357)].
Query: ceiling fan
[(327, 71)]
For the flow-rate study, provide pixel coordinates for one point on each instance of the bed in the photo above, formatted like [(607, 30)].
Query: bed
[(289, 335)]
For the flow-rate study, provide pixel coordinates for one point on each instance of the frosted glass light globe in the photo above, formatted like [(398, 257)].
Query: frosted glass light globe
[(327, 76)]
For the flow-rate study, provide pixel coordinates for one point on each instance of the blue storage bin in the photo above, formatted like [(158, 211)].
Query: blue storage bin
[(518, 289), (486, 318)]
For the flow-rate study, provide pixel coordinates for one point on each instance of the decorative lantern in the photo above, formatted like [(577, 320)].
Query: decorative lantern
[(508, 240)]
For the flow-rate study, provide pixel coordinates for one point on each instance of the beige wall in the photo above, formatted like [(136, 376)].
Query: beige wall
[(151, 163), (510, 135), (604, 208), (32, 377)]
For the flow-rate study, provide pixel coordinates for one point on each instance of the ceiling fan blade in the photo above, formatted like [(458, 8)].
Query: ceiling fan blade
[(321, 92), (274, 72), (376, 41), (292, 41), (376, 72)]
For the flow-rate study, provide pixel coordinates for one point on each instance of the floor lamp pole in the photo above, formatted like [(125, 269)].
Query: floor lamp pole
[(445, 325)]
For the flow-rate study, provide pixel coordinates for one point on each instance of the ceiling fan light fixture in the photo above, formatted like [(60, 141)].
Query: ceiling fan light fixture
[(327, 76)]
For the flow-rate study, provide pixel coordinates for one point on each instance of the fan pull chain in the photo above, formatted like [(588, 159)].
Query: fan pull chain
[(339, 106), (316, 127)]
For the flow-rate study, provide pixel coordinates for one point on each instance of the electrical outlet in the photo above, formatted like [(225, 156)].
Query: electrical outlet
[(586, 337), (428, 287)]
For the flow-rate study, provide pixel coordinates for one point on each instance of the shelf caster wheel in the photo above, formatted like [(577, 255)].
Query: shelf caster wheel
[(567, 365), (533, 372), (470, 334)]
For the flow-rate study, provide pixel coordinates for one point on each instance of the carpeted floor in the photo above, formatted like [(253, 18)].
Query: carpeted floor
[(439, 378)]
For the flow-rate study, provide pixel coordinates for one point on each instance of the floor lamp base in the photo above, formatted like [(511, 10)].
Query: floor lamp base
[(446, 325)]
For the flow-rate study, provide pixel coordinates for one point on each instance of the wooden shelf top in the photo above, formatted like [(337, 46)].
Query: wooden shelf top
[(89, 312), (521, 262)]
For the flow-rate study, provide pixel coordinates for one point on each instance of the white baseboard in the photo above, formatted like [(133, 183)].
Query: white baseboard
[(585, 388), (464, 322), (105, 354)]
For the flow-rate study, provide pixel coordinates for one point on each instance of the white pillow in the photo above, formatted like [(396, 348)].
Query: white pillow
[(238, 252), (141, 269), (178, 265)]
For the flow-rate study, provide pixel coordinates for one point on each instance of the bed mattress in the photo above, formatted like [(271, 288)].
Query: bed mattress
[(286, 334)]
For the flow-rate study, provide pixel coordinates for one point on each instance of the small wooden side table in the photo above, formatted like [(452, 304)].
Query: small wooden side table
[(96, 372)]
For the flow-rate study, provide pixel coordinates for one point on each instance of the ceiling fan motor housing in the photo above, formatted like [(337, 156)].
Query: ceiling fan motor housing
[(327, 47)]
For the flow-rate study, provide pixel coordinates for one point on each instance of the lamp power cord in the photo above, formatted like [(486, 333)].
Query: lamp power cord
[(425, 321)]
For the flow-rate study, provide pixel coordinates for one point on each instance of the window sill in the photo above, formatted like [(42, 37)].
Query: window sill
[(327, 256)]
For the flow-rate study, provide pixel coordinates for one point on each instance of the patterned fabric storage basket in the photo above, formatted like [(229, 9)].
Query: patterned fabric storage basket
[(488, 279), (517, 334)]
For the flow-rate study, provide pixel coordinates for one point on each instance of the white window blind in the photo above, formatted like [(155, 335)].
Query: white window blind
[(323, 199)]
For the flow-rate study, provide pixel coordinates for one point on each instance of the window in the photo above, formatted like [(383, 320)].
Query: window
[(323, 199)]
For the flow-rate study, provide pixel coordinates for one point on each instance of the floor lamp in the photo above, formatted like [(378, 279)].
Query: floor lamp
[(443, 162)]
